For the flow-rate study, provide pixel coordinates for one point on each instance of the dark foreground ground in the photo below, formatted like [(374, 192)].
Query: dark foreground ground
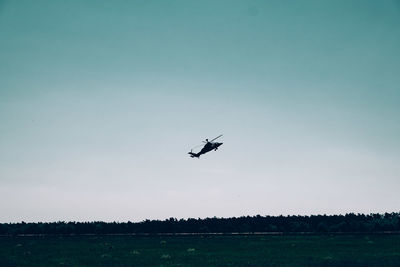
[(202, 250)]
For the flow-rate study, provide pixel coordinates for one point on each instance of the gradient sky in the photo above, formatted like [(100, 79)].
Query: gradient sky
[(100, 101)]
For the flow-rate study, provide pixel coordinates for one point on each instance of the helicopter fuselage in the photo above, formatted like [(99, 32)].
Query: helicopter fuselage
[(209, 145), (207, 148)]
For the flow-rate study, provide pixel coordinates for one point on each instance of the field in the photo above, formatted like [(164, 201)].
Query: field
[(202, 250)]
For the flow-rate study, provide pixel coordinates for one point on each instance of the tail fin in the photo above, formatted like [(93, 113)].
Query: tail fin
[(193, 155)]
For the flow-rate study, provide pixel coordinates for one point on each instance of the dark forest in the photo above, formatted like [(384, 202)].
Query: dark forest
[(349, 223)]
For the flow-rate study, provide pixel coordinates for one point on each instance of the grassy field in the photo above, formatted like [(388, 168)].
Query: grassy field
[(206, 250)]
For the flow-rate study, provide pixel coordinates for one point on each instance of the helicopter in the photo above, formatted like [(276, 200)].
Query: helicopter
[(209, 145)]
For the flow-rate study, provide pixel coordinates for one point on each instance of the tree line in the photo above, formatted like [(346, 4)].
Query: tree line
[(348, 223)]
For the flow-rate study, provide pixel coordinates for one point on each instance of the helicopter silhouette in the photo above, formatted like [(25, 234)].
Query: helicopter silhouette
[(209, 145)]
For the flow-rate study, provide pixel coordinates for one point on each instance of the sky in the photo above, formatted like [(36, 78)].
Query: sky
[(100, 101)]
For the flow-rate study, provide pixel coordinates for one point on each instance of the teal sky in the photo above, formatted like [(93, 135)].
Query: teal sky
[(101, 100)]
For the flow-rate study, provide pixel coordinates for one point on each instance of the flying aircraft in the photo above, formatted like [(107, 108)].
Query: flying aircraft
[(209, 145)]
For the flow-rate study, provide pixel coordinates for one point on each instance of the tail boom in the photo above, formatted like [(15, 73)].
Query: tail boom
[(194, 155)]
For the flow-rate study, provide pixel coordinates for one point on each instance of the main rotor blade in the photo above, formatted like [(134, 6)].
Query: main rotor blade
[(216, 138)]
